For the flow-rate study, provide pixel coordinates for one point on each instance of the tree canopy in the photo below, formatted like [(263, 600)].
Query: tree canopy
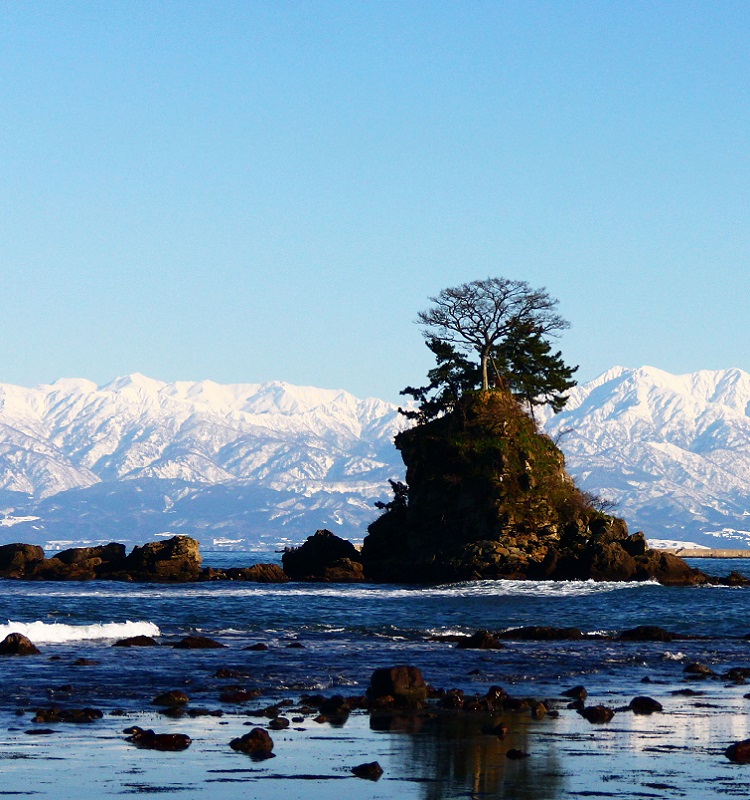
[(479, 315), (506, 324)]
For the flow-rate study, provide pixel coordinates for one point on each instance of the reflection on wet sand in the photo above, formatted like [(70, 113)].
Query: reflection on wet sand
[(451, 756)]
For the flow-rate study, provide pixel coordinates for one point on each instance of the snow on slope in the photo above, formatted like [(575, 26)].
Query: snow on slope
[(79, 453), (266, 464), (672, 450)]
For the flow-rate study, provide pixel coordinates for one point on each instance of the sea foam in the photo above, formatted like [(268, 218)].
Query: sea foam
[(59, 633)]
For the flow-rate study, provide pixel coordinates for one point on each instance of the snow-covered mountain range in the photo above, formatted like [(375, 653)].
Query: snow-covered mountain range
[(672, 450), (258, 465), (263, 465)]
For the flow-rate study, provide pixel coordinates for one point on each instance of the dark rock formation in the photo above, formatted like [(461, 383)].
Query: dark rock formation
[(257, 743), (648, 633), (739, 752), (177, 559), (167, 742), (17, 559), (645, 705), (597, 715), (175, 697), (488, 497), (371, 771), (136, 641), (258, 573), (74, 715), (324, 557), (481, 640), (16, 644), (197, 643), (403, 686)]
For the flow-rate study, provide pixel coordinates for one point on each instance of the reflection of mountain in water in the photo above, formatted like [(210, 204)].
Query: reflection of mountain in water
[(451, 757)]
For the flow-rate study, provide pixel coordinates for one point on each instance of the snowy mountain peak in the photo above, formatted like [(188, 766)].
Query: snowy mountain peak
[(673, 450)]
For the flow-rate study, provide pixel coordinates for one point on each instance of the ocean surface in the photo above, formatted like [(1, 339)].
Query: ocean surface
[(346, 631)]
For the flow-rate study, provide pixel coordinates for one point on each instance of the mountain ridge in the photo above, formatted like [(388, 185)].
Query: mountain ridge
[(265, 464)]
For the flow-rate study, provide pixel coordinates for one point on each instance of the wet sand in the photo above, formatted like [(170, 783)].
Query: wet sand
[(678, 753)]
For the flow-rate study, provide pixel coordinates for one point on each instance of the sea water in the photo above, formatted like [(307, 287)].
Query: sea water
[(347, 631)]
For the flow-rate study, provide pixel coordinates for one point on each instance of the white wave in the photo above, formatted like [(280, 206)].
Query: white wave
[(497, 588), (59, 633), (674, 656)]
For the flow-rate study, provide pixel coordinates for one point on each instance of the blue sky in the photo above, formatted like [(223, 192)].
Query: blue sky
[(259, 191)]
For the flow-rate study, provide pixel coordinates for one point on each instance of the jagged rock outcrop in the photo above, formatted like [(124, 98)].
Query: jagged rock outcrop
[(324, 557), (176, 559), (488, 497)]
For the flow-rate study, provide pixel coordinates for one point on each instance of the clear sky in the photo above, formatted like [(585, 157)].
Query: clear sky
[(252, 191)]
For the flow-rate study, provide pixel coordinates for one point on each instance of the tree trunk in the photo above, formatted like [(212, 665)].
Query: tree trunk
[(485, 376)]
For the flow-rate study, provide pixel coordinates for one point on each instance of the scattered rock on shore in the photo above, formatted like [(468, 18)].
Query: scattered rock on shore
[(167, 742), (403, 684), (371, 771), (256, 743)]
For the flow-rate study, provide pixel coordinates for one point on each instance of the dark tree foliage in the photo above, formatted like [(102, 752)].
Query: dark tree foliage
[(481, 315), (453, 375), (400, 497), (508, 342), (533, 373)]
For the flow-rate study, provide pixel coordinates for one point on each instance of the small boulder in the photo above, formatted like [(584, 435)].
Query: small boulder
[(170, 699), (576, 693), (371, 771), (645, 705), (256, 743), (166, 742), (597, 715), (698, 670), (739, 752), (16, 644), (136, 641), (404, 684)]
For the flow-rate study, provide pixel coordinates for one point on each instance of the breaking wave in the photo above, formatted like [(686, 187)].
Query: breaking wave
[(59, 633)]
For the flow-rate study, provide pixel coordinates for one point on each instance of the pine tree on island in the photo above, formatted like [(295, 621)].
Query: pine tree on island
[(486, 493)]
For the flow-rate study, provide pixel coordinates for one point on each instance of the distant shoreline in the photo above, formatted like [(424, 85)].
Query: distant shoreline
[(704, 552)]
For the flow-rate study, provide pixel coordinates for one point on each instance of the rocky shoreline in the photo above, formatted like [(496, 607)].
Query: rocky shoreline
[(607, 554), (397, 699)]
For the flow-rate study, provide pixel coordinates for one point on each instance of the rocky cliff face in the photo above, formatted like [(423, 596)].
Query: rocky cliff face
[(488, 497)]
